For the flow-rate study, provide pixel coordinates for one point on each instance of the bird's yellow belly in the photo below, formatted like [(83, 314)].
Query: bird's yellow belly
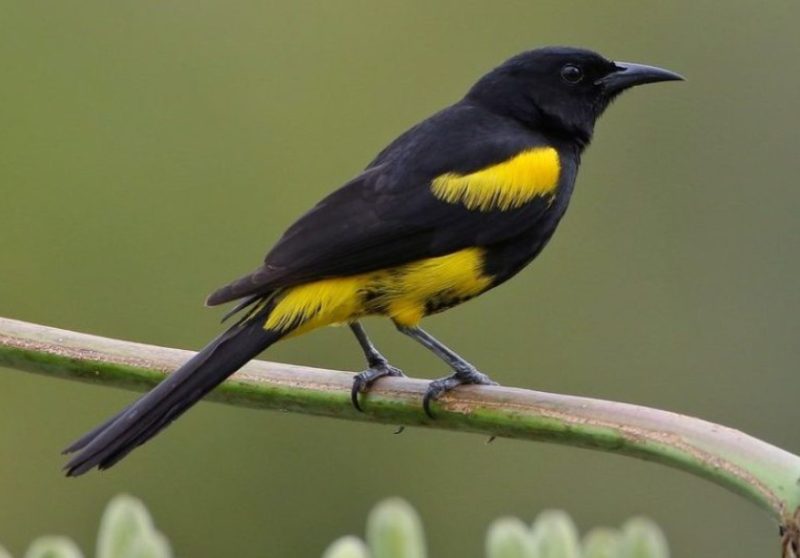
[(404, 293)]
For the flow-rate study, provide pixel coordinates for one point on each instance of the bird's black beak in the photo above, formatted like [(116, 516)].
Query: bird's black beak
[(630, 75)]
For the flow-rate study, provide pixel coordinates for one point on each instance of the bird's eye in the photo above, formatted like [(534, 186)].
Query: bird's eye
[(571, 73)]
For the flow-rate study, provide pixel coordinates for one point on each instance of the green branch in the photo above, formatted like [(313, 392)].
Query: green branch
[(764, 474)]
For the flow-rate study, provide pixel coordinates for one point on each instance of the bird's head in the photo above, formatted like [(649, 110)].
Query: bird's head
[(561, 89)]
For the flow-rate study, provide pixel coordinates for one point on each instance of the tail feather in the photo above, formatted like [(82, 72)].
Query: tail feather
[(92, 434), (108, 443)]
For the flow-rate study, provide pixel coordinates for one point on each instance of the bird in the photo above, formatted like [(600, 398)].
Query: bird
[(453, 207)]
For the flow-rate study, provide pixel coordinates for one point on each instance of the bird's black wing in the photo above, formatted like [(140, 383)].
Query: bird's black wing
[(388, 215)]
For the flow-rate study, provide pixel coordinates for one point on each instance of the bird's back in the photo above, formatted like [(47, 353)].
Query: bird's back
[(393, 215)]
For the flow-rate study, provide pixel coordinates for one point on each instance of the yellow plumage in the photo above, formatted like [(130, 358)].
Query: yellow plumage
[(408, 292), (504, 186), (404, 293)]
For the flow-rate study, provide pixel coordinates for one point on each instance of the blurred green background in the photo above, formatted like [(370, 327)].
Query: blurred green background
[(151, 151)]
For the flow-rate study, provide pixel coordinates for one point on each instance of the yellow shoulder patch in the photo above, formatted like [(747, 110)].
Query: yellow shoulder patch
[(503, 186)]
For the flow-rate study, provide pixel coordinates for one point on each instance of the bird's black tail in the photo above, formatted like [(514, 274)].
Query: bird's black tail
[(113, 440)]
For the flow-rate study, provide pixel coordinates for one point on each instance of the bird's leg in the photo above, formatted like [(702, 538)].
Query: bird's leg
[(463, 371), (377, 363)]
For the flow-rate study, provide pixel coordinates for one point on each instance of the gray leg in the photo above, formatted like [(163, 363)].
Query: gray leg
[(373, 356), (464, 372), (377, 363)]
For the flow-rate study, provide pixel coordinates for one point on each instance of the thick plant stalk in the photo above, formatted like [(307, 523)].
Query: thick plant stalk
[(764, 474)]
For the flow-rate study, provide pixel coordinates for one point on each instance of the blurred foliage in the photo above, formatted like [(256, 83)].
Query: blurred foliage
[(126, 531), (53, 547), (153, 150), (394, 530)]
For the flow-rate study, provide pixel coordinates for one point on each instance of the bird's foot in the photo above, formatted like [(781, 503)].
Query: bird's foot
[(363, 380), (441, 386)]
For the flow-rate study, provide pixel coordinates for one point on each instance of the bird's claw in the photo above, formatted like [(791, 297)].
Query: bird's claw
[(439, 387), (363, 380)]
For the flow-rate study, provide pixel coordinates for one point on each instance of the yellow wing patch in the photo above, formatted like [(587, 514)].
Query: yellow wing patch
[(404, 293), (504, 186)]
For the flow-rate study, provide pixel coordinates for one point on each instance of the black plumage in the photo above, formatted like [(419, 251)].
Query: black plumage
[(388, 227)]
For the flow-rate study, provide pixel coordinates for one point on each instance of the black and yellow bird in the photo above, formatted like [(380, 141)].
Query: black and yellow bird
[(453, 207)]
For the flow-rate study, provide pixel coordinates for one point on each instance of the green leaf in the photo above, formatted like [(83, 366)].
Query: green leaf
[(127, 531), (4, 553), (347, 547), (555, 536), (602, 543), (53, 547), (642, 538), (394, 530), (509, 538)]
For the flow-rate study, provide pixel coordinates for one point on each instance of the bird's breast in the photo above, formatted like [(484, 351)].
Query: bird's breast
[(503, 186)]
